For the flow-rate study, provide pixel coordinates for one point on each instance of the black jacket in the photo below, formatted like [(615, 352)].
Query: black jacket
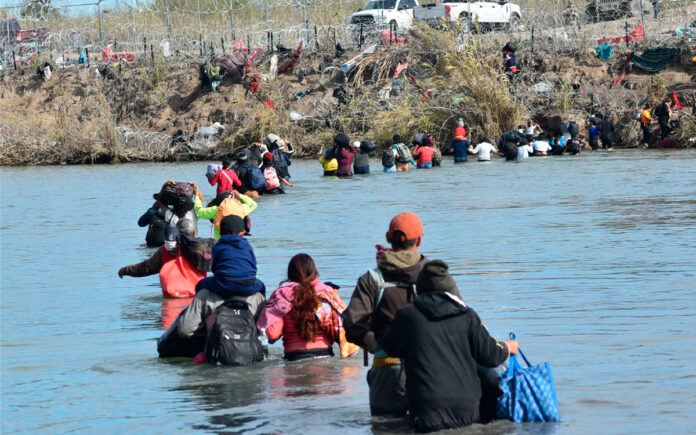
[(441, 341)]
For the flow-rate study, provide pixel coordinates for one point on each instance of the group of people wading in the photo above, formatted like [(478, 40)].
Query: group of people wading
[(434, 361)]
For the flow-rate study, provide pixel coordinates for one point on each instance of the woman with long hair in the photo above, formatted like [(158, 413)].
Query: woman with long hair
[(306, 313)]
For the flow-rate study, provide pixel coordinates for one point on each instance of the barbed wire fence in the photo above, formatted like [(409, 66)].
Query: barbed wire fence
[(186, 26)]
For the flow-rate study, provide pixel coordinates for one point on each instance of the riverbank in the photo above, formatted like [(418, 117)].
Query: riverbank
[(138, 112)]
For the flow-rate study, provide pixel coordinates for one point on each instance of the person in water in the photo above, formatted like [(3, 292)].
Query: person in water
[(172, 216), (460, 146), (361, 163), (344, 153), (424, 154), (442, 343), (153, 219), (234, 268), (176, 261), (329, 164), (306, 313), (225, 178), (243, 206), (273, 180), (378, 295), (483, 150), (389, 155), (241, 168)]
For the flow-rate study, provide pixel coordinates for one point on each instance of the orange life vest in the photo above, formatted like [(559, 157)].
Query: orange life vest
[(178, 277)]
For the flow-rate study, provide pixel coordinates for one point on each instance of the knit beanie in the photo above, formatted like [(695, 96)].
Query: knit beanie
[(342, 140), (435, 278)]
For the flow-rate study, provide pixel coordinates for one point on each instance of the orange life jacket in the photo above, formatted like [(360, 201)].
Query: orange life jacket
[(178, 277)]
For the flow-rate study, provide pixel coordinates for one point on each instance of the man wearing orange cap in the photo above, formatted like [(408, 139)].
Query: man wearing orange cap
[(378, 295)]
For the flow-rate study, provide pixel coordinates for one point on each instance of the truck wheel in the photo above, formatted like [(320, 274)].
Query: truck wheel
[(515, 22), (465, 22)]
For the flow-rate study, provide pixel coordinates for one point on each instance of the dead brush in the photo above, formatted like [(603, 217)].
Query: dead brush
[(685, 133), (451, 80)]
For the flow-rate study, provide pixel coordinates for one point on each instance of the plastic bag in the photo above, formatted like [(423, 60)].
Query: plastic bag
[(529, 395)]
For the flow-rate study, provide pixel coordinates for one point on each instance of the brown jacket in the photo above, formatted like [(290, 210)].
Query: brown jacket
[(147, 267), (361, 316)]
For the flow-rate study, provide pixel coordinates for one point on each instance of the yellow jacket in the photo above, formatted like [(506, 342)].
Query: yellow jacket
[(329, 164)]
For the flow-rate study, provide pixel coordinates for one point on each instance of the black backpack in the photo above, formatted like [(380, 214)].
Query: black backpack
[(232, 337), (280, 164), (155, 231), (573, 146), (573, 128), (388, 158)]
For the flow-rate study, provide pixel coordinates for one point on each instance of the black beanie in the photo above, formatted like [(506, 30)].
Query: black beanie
[(342, 140), (232, 224), (435, 278)]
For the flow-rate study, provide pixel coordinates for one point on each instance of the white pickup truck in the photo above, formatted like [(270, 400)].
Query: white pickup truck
[(489, 14), (385, 13)]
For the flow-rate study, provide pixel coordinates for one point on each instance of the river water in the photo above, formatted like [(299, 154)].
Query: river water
[(589, 259)]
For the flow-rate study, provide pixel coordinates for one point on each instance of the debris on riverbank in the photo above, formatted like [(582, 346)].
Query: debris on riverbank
[(159, 111)]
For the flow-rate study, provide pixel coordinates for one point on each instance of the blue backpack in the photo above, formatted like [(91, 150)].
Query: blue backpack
[(256, 179)]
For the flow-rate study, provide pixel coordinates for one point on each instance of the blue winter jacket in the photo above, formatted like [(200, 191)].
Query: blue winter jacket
[(234, 269)]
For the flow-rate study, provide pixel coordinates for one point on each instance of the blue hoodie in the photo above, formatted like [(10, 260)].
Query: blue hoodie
[(234, 269)]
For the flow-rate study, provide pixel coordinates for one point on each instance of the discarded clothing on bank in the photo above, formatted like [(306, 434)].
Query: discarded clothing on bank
[(108, 55), (346, 67), (604, 51), (234, 64), (204, 135), (294, 59), (655, 59), (636, 35)]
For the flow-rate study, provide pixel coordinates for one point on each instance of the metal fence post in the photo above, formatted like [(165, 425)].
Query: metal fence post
[(306, 24), (232, 21), (532, 38), (166, 16), (626, 34), (555, 20), (596, 10), (642, 20), (101, 34), (200, 23)]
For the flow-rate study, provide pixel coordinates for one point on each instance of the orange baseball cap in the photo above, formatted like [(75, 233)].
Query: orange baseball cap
[(408, 224)]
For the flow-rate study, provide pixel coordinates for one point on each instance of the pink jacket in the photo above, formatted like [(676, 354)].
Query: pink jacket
[(278, 319)]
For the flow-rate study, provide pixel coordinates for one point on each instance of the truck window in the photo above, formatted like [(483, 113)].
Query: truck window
[(410, 4), (380, 4)]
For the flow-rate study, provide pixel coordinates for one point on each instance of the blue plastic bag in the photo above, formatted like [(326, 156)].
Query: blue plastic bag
[(529, 395)]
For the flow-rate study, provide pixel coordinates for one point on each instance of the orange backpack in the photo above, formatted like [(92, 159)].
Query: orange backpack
[(229, 206)]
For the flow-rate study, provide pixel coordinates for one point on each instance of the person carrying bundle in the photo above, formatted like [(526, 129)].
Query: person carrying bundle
[(225, 204), (344, 153)]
